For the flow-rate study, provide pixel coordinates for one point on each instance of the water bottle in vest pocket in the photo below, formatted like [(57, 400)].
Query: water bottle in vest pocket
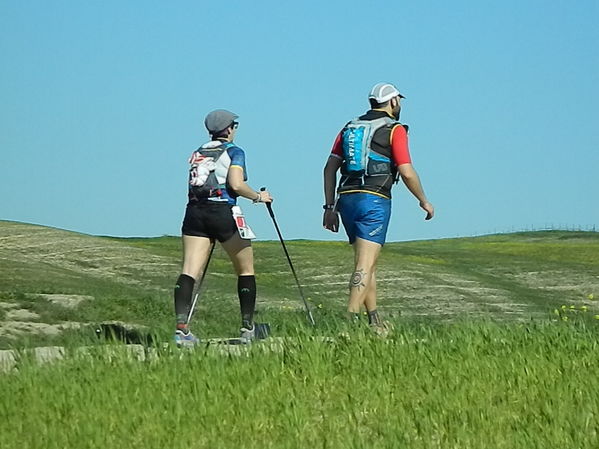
[(356, 141)]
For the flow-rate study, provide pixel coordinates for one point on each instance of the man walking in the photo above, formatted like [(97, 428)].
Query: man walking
[(371, 151)]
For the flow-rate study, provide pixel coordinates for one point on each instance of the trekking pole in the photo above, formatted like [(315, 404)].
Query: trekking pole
[(195, 298), (272, 215)]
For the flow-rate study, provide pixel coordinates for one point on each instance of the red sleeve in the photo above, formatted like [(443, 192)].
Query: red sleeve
[(338, 147), (399, 146)]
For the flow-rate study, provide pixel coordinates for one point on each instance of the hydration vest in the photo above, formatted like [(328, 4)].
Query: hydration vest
[(205, 181), (358, 157)]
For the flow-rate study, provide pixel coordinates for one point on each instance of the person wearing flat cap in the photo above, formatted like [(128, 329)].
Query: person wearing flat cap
[(371, 151), (217, 177)]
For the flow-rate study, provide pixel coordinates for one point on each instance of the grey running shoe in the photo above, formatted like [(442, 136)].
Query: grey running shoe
[(247, 335), (185, 340)]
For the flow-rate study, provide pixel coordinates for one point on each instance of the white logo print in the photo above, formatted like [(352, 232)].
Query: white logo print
[(376, 231)]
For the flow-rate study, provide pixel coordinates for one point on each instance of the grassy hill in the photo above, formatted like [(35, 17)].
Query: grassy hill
[(53, 282), (479, 357)]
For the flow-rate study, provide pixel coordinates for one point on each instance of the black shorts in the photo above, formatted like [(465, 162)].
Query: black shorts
[(209, 219)]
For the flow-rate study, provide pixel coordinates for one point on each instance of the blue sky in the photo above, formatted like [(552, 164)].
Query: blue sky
[(103, 101)]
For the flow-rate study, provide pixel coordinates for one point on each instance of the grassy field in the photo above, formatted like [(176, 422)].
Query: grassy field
[(495, 346), (53, 281), (460, 385)]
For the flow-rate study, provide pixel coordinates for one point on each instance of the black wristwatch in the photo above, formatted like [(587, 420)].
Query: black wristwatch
[(328, 207)]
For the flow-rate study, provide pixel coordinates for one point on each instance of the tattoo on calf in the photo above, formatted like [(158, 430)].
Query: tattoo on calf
[(357, 279)]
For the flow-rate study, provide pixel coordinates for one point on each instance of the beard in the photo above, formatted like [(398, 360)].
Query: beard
[(396, 112)]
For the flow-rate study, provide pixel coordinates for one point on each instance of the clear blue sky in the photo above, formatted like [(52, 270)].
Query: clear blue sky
[(103, 101)]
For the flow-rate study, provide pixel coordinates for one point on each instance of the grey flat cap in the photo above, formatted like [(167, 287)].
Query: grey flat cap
[(219, 119)]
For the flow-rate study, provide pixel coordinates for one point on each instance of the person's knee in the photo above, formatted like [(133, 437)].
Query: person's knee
[(243, 261), (366, 265), (244, 266), (192, 268), (367, 253)]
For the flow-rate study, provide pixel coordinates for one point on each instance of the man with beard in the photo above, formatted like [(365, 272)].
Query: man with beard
[(371, 151)]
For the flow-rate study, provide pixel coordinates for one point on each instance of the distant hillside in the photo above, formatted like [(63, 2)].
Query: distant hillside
[(52, 280)]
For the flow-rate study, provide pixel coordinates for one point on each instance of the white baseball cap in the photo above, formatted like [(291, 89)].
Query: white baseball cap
[(382, 92)]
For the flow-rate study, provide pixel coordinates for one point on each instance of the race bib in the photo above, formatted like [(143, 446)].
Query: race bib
[(245, 232)]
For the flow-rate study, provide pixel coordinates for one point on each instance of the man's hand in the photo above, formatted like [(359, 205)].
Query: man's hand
[(330, 220), (428, 207)]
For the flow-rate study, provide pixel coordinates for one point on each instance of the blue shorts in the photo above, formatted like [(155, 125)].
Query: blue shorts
[(365, 216)]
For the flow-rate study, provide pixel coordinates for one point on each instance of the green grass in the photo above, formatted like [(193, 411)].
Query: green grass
[(501, 277), (462, 385), (495, 346)]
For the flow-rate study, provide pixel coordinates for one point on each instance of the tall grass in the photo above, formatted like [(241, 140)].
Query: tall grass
[(462, 385)]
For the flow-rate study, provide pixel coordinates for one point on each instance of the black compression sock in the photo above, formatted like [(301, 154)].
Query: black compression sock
[(373, 317), (246, 290), (183, 293)]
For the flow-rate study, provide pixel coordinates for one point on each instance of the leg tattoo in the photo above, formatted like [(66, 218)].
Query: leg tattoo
[(357, 279)]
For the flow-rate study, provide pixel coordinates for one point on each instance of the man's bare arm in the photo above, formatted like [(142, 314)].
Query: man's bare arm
[(330, 178), (330, 219), (412, 181)]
